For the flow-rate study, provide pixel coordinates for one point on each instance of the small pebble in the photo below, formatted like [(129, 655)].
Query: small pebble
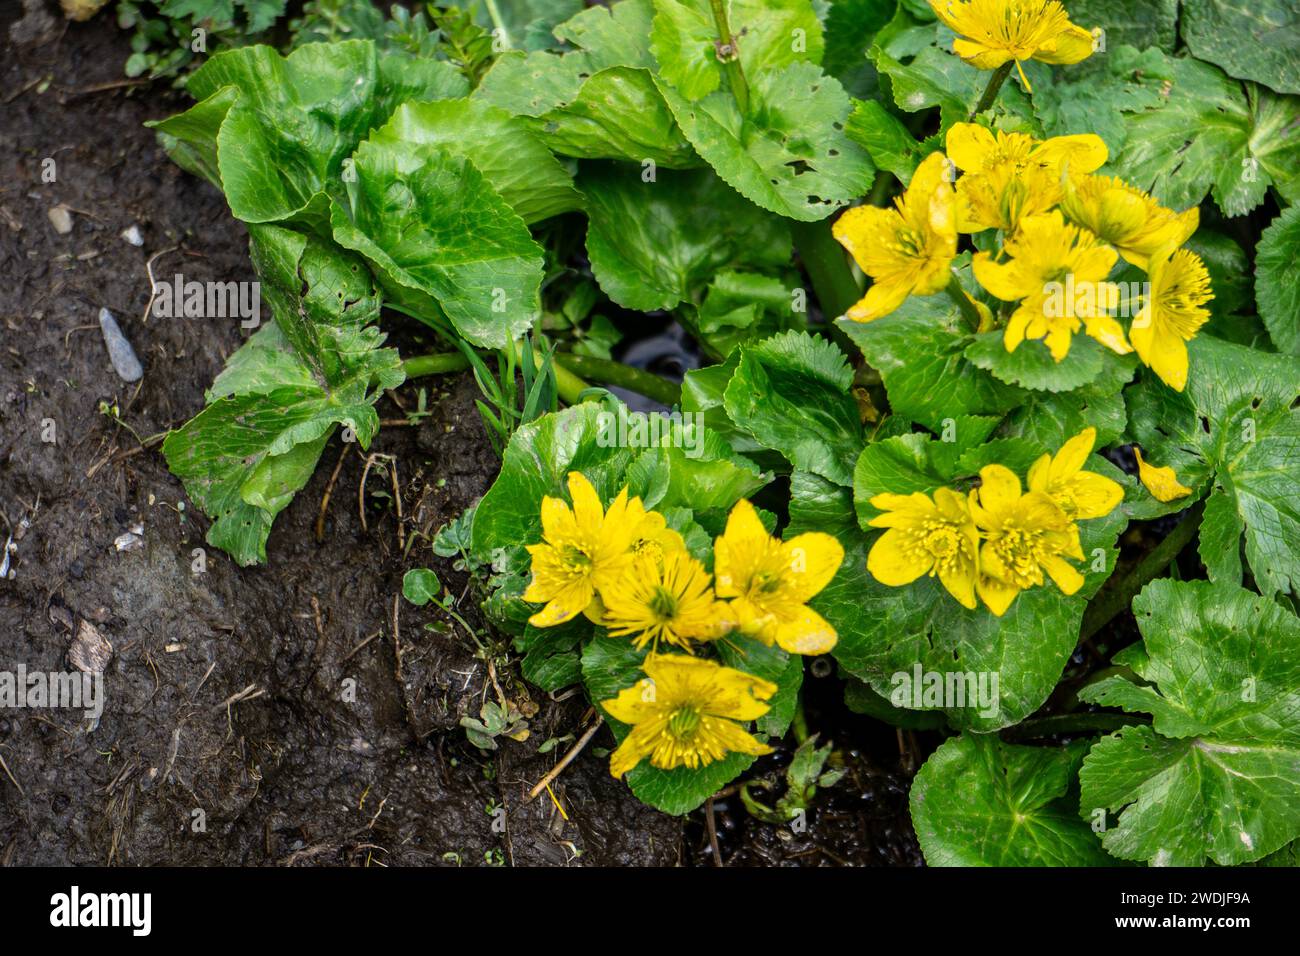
[(120, 352), (132, 235), (60, 219), (90, 651), (132, 540)]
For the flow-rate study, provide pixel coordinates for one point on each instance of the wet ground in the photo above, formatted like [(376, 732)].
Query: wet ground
[(298, 713)]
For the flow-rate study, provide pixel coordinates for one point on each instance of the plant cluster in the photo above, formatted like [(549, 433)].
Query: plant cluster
[(1078, 235)]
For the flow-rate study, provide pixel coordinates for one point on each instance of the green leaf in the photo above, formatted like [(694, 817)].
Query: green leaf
[(598, 101), (1139, 23), (501, 146), (244, 456), (789, 154), (773, 34), (1276, 289), (441, 240), (1235, 431), (283, 142), (655, 244), (882, 134), (919, 351), (1051, 419), (1257, 40), (850, 26), (791, 392), (553, 657), (924, 72), (420, 586), (861, 699), (1208, 136), (1217, 773), (980, 802), (1097, 95), (885, 633), (1032, 366), (536, 463)]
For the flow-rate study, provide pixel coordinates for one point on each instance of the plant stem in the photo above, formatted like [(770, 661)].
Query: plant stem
[(1102, 723), (623, 376), (968, 310), (828, 267), (438, 363), (495, 16), (568, 385), (1116, 597), (991, 91), (729, 57)]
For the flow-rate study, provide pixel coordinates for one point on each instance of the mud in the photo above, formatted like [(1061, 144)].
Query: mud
[(298, 713)]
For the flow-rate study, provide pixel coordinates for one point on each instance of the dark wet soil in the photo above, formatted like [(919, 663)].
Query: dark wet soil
[(298, 713)]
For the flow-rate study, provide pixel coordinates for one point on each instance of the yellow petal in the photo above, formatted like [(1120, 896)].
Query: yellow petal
[(996, 595), (806, 633), (587, 509), (978, 55), (1067, 578), (1071, 46), (999, 488), (894, 564), (1073, 454), (1094, 495), (959, 580), (1002, 279), (813, 559), (969, 145), (881, 299), (1161, 481)]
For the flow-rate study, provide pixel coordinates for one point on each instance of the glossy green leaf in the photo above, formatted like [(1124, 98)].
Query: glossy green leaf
[(1276, 289), (1250, 39), (980, 802), (1217, 773)]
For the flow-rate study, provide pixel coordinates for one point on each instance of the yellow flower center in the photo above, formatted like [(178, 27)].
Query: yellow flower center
[(683, 724), (1020, 550), (942, 542), (574, 559), (662, 604)]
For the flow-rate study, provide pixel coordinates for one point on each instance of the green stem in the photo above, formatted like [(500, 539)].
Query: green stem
[(991, 91), (495, 16), (1115, 597), (968, 310), (828, 267), (1101, 723), (438, 363), (623, 376), (729, 56)]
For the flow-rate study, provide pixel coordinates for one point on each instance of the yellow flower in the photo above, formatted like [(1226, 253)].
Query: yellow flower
[(1171, 314), (1008, 176), (1058, 271), (684, 713), (935, 537), (582, 551), (1162, 482), (1080, 494), (992, 32), (771, 581), (1126, 217), (651, 536), (906, 250), (667, 599), (1025, 535)]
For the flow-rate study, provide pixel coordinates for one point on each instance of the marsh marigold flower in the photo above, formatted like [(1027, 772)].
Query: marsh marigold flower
[(685, 713), (1025, 536), (1126, 217), (771, 581), (1009, 176), (582, 550), (1058, 272), (1171, 314), (993, 32), (906, 250), (926, 536), (1161, 481), (668, 599), (1080, 494)]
